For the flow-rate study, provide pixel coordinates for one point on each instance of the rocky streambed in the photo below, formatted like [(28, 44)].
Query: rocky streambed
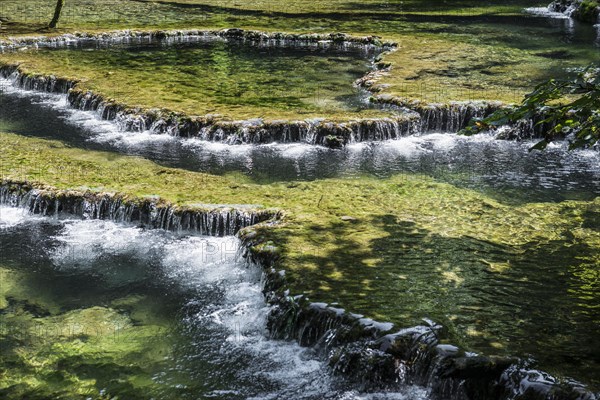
[(379, 355)]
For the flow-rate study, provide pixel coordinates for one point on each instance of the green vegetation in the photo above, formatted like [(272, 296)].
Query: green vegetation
[(394, 249), (582, 10), (230, 80), (571, 109), (588, 11), (458, 52), (51, 353), (367, 263)]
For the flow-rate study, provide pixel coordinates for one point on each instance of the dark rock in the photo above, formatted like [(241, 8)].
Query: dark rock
[(477, 367), (583, 10)]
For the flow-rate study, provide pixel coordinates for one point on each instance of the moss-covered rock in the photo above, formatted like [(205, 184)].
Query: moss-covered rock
[(583, 10)]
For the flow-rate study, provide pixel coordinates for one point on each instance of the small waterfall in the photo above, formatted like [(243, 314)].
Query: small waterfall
[(566, 7), (209, 221), (452, 117), (448, 117), (576, 9), (415, 117), (39, 83), (318, 132), (379, 356)]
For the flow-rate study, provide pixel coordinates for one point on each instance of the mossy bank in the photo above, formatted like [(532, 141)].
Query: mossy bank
[(583, 10), (445, 53), (349, 243), (342, 240)]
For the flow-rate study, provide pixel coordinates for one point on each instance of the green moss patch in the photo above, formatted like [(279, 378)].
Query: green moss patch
[(231, 81), (466, 51), (52, 353), (367, 243)]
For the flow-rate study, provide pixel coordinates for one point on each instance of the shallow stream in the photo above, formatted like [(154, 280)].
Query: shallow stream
[(186, 317)]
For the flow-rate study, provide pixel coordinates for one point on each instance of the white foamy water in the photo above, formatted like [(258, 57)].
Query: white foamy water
[(12, 216), (410, 393), (481, 160), (411, 147), (545, 12), (109, 132), (206, 264), (296, 150), (211, 267), (97, 129)]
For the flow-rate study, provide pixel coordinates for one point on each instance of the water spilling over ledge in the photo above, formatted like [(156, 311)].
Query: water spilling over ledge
[(406, 118), (378, 355), (321, 132), (213, 221), (352, 344), (586, 11), (442, 117)]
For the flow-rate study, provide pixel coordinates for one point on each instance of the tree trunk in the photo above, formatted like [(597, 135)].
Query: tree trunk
[(57, 11)]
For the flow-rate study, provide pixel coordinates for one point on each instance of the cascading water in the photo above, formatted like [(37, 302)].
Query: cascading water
[(218, 221), (319, 328), (400, 123), (430, 118), (210, 311), (240, 132), (461, 160), (548, 11), (339, 41)]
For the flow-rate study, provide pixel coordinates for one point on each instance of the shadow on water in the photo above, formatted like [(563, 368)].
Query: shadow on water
[(370, 11), (591, 220), (540, 299), (114, 309), (426, 16), (428, 5)]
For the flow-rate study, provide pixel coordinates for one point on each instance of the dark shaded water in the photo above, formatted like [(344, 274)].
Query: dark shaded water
[(504, 169), (147, 314)]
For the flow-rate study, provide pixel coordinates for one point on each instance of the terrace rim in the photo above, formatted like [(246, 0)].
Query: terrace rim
[(376, 354), (410, 116)]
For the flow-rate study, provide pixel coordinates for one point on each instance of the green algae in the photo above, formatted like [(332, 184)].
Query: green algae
[(395, 249), (588, 11), (413, 247), (52, 352), (464, 52), (225, 80)]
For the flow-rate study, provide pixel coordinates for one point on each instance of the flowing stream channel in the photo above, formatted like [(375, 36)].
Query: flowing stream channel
[(184, 309), (190, 315)]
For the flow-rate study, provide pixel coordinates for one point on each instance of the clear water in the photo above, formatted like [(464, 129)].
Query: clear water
[(218, 77), (182, 309), (503, 169), (546, 306), (556, 316)]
